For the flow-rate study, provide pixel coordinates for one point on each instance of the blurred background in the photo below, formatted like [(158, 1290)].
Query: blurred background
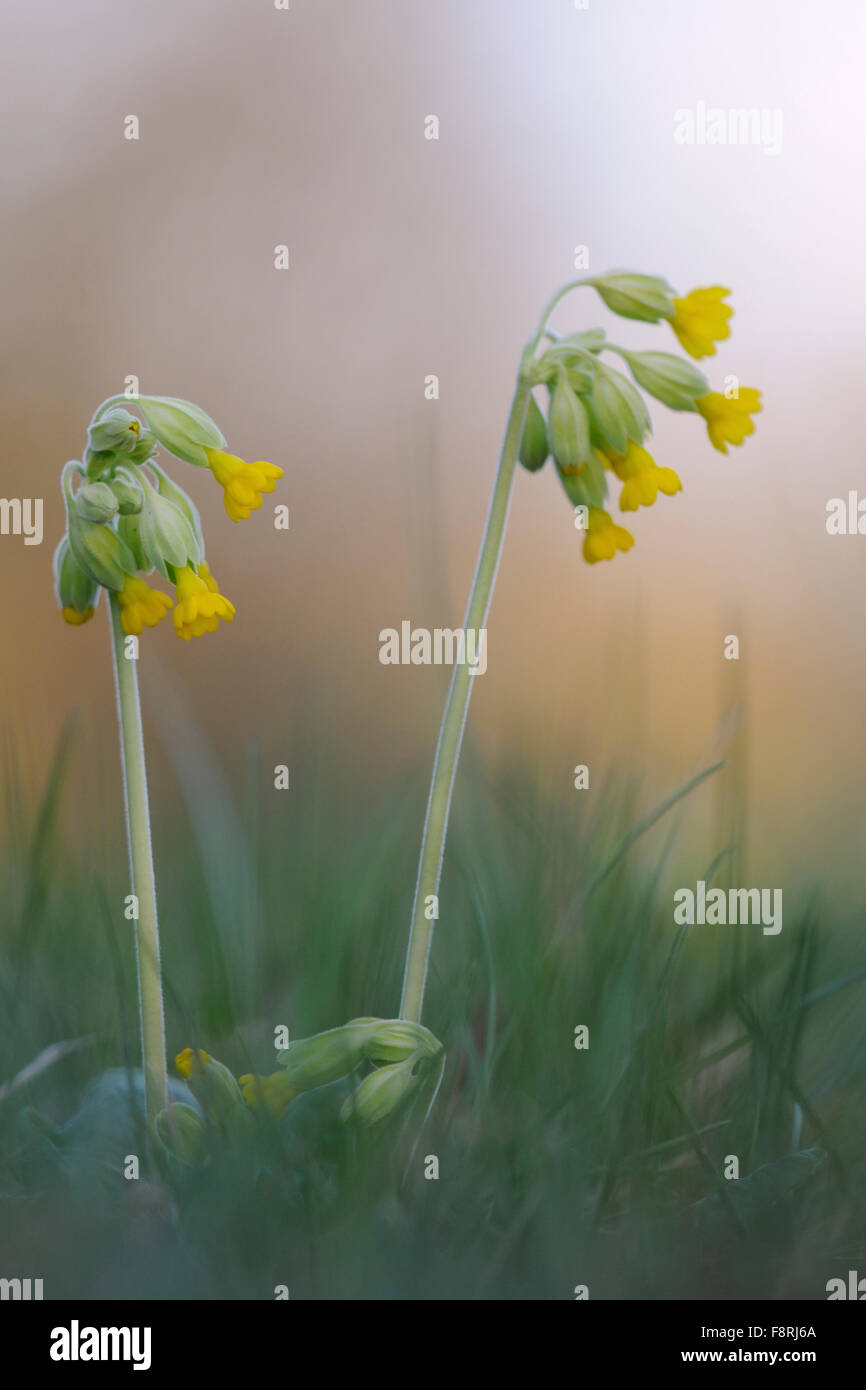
[(407, 257), (410, 257)]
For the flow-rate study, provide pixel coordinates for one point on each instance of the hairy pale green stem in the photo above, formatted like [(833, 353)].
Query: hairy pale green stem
[(141, 868), (454, 716)]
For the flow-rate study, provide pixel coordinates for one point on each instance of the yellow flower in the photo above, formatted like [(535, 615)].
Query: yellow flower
[(200, 605), (243, 483), (271, 1092), (192, 1061), (74, 618), (701, 320), (141, 606), (728, 418), (643, 478), (604, 538)]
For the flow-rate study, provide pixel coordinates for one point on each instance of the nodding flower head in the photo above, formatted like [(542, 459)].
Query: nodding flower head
[(126, 517), (597, 417), (242, 483), (200, 605)]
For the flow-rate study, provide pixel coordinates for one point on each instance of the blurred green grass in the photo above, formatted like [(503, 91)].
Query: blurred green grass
[(557, 1167)]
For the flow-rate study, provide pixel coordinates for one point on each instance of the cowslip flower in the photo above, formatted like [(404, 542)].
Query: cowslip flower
[(242, 483), (141, 606), (727, 417), (603, 537), (700, 320), (200, 605), (642, 477)]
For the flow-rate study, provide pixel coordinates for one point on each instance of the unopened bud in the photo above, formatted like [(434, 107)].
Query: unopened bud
[(129, 498), (181, 427), (383, 1091), (96, 502), (116, 432)]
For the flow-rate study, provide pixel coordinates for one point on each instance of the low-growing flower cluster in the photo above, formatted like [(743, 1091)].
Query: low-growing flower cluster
[(597, 421), (399, 1059), (125, 517)]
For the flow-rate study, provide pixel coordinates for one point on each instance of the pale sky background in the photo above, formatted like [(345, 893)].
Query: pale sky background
[(411, 257)]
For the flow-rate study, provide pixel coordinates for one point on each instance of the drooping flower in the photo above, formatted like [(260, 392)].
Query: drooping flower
[(727, 417), (700, 320), (141, 606), (242, 483), (642, 477), (199, 607), (603, 537)]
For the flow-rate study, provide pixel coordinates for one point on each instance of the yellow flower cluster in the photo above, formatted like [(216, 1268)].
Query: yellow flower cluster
[(700, 320)]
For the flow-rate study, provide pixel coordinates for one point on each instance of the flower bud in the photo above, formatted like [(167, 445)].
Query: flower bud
[(568, 426), (210, 1081), (129, 498), (77, 592), (182, 1132), (99, 550), (181, 427), (143, 449), (395, 1039), (669, 378), (632, 296), (96, 502), (326, 1057), (380, 1093), (165, 534), (618, 409), (116, 432), (534, 447), (176, 495)]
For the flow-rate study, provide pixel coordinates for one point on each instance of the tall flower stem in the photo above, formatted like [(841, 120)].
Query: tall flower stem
[(141, 869), (454, 716)]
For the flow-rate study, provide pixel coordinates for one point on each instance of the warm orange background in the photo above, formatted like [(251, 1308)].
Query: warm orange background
[(412, 257)]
